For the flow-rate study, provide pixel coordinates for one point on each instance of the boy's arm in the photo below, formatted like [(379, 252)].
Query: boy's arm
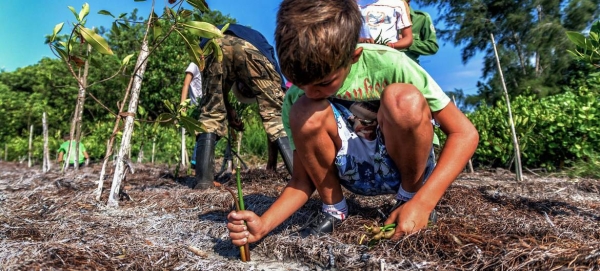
[(459, 147), (293, 197)]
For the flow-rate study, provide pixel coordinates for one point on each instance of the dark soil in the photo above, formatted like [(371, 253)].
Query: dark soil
[(487, 221)]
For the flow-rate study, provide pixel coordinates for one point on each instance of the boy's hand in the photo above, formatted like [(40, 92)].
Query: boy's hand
[(241, 233), (410, 217), (366, 40)]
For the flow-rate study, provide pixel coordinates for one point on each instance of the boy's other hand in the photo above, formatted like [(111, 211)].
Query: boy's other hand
[(410, 217), (241, 233)]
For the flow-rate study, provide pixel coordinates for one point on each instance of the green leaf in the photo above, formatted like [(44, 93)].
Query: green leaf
[(115, 29), (85, 10), (126, 59), (95, 40), (577, 38), (57, 29), (202, 29), (185, 13), (62, 53), (123, 25), (74, 13), (199, 4), (122, 15), (141, 110), (191, 124), (139, 0), (194, 50), (104, 12)]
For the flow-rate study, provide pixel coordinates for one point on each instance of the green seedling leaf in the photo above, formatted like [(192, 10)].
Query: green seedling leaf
[(126, 59), (62, 53), (217, 52), (123, 25), (74, 13), (95, 40), (185, 13), (122, 15), (202, 29), (199, 4), (193, 49), (115, 29), (191, 124), (104, 12), (85, 10), (57, 29)]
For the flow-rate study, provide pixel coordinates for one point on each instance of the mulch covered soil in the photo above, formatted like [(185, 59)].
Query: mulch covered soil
[(487, 221)]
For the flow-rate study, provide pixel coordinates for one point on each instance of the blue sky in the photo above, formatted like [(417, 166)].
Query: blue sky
[(26, 22)]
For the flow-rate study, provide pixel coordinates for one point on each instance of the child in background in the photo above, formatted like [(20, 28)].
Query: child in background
[(83, 156), (386, 21), (192, 89)]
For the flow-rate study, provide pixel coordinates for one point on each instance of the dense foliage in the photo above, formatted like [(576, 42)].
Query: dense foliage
[(554, 131)]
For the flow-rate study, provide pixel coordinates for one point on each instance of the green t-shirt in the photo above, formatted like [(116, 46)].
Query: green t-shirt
[(377, 67), (65, 146)]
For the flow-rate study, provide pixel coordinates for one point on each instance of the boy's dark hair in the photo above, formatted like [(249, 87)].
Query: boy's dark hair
[(314, 38)]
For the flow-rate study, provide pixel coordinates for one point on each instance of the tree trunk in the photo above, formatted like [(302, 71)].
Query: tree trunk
[(80, 105), (30, 152), (47, 164), (120, 170), (110, 143)]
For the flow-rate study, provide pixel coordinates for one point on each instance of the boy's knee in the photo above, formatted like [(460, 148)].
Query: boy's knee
[(403, 103)]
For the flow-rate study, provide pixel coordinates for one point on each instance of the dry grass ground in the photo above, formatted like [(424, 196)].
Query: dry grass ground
[(486, 222)]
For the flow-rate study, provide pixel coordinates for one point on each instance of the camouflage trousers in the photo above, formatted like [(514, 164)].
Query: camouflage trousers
[(242, 62)]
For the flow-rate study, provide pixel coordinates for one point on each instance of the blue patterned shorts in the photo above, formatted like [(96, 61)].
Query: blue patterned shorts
[(364, 166)]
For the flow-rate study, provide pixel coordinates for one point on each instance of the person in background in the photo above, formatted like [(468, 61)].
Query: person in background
[(386, 22), (192, 89), (250, 71), (83, 156), (424, 38), (358, 118)]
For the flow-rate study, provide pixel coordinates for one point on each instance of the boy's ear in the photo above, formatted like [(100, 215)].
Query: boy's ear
[(356, 54)]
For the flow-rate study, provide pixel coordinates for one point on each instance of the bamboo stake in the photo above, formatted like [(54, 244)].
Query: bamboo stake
[(47, 164), (518, 167), (245, 249), (183, 152), (29, 164)]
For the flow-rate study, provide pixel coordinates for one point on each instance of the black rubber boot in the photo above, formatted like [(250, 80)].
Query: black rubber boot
[(286, 152), (205, 160)]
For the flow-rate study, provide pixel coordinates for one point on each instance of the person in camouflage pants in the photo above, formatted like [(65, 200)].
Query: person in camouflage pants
[(253, 77)]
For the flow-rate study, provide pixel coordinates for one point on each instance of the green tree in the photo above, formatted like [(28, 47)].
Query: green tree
[(530, 39)]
